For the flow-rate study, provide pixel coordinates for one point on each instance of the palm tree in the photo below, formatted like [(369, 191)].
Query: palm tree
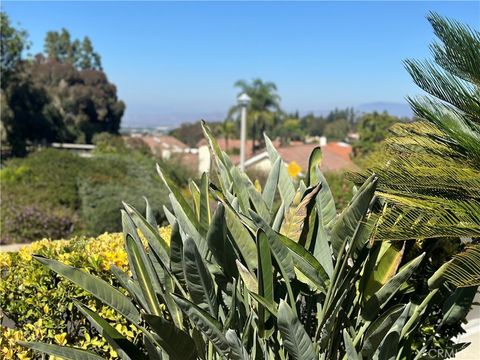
[(430, 183), (264, 104)]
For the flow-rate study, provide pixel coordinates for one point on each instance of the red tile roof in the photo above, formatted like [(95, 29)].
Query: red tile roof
[(336, 155)]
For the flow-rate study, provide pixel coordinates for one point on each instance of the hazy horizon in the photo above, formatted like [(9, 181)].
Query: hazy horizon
[(175, 62)]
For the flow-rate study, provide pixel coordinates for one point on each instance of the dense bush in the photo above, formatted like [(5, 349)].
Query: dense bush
[(250, 279), (40, 304), (56, 192)]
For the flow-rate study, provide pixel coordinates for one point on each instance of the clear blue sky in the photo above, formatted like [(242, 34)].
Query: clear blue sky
[(173, 58)]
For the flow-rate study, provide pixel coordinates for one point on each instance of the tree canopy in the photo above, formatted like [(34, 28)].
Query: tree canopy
[(62, 95)]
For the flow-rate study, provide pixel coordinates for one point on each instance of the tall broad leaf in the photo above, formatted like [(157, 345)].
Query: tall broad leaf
[(387, 291), (378, 329), (271, 184), (99, 288), (265, 277), (124, 347), (297, 219), (295, 338), (285, 185), (388, 348), (325, 202), (280, 251), (350, 219), (458, 305), (350, 347), (238, 351), (205, 215), (176, 343), (242, 238), (208, 325), (199, 281), (307, 264), (67, 353)]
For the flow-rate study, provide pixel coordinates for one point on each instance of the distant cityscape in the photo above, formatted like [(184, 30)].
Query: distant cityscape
[(163, 123)]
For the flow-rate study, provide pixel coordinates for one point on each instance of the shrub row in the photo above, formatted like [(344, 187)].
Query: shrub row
[(40, 304), (56, 194)]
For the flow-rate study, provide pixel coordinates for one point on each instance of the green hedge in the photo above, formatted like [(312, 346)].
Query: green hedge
[(59, 194), (40, 303)]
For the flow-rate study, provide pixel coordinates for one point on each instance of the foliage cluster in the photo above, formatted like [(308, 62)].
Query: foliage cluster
[(62, 95), (41, 305), (53, 193), (372, 130), (248, 280)]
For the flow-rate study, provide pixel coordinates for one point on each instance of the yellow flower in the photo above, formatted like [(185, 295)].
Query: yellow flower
[(45, 309), (294, 169), (61, 339), (5, 260)]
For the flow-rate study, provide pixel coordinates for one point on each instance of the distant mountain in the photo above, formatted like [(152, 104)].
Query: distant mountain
[(397, 109), (170, 120), (174, 119)]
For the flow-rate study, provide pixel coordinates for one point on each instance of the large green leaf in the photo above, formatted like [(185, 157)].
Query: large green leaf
[(325, 202), (199, 281), (129, 284), (265, 277), (378, 329), (124, 347), (313, 163), (144, 276), (307, 264), (242, 238), (67, 353), (387, 291), (204, 322), (238, 351), (219, 244), (295, 338), (321, 245), (205, 216), (176, 252), (458, 305), (280, 251), (240, 187), (386, 267), (388, 348), (285, 185), (271, 184), (188, 226), (250, 281), (150, 233), (99, 288), (349, 347), (350, 219), (177, 343)]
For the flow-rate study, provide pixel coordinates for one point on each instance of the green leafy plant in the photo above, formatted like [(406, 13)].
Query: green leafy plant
[(245, 279)]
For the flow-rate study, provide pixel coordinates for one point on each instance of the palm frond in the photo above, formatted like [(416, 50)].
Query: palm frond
[(464, 269), (459, 52)]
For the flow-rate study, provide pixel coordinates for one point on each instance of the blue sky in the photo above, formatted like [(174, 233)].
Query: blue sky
[(176, 61)]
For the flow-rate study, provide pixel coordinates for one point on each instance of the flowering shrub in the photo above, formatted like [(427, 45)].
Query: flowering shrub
[(40, 303)]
